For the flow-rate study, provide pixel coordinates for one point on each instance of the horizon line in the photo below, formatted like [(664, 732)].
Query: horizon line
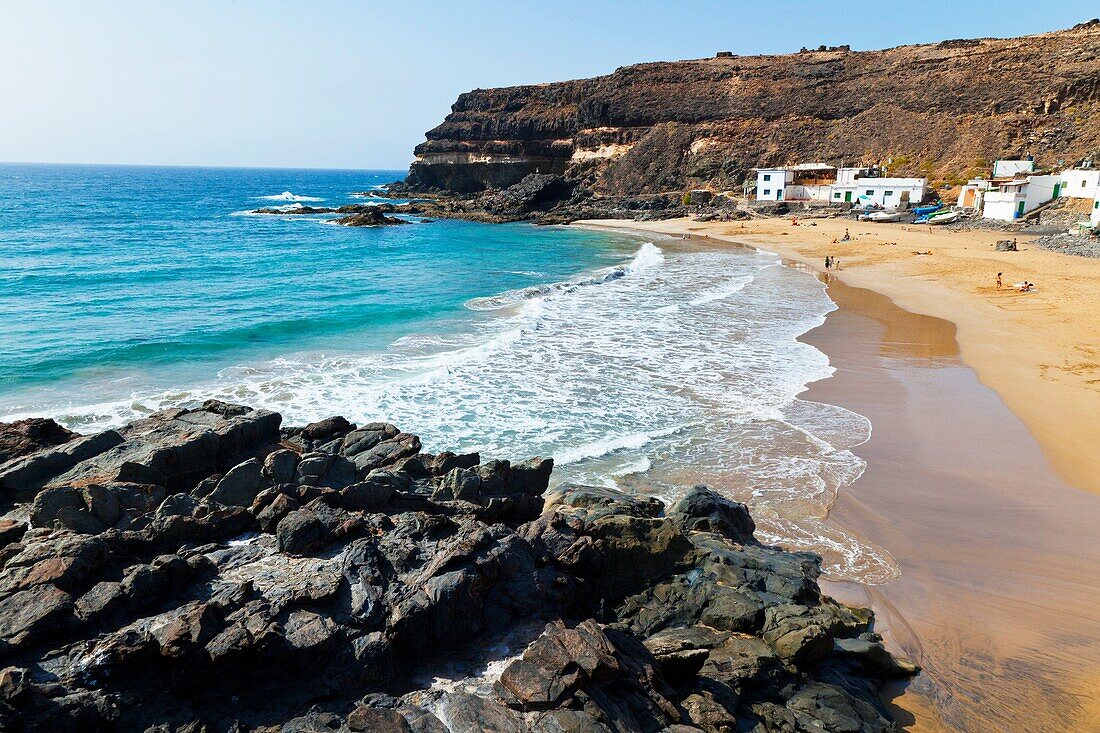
[(199, 165)]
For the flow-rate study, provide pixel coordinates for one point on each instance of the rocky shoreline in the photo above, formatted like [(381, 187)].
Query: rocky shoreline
[(354, 215), (211, 570)]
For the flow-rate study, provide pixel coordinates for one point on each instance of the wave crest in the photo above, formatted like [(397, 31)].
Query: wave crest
[(646, 256), (289, 196)]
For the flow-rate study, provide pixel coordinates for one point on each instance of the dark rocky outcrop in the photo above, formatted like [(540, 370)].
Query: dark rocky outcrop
[(23, 437), (945, 109), (369, 217), (380, 208), (205, 570)]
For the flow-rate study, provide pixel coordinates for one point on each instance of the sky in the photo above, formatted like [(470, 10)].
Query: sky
[(356, 84)]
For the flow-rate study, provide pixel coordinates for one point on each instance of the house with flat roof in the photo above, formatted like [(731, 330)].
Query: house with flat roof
[(802, 182), (889, 193), (771, 182), (972, 195), (849, 174), (1080, 183), (1012, 168), (1012, 199)]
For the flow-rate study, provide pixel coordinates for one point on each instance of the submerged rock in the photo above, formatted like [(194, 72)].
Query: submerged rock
[(369, 217)]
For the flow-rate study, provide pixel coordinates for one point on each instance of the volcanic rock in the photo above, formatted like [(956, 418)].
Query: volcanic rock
[(313, 587)]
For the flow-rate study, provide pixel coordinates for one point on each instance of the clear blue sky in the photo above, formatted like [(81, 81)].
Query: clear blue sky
[(356, 84)]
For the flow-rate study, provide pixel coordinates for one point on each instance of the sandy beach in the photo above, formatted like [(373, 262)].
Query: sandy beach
[(976, 462), (1040, 351)]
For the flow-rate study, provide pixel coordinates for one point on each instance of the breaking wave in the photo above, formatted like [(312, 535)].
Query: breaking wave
[(288, 196), (648, 254), (674, 368)]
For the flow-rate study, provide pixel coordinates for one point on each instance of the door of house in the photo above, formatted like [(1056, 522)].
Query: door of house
[(848, 197), (780, 195), (1019, 209), (1057, 189)]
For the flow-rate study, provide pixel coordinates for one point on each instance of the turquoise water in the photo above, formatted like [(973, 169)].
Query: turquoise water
[(647, 363), (152, 275)]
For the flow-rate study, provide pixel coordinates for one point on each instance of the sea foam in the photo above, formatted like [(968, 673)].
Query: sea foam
[(288, 196), (671, 369)]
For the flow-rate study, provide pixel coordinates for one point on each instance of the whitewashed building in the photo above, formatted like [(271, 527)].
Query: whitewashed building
[(802, 182), (810, 182), (1012, 199), (1080, 183), (890, 193), (771, 182), (972, 195), (1012, 168), (848, 175)]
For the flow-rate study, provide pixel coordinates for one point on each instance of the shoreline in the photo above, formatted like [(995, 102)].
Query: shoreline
[(994, 598), (1039, 351)]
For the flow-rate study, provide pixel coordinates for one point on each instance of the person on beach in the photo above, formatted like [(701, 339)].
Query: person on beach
[(836, 264), (847, 237), (999, 281), (828, 262)]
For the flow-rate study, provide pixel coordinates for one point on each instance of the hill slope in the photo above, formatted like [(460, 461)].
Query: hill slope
[(945, 109)]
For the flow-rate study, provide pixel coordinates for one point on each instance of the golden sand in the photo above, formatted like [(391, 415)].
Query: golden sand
[(997, 549), (1040, 351)]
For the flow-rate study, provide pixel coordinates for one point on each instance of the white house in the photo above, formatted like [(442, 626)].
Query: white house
[(1080, 183), (847, 175), (802, 182), (770, 183), (972, 195), (1095, 218), (890, 193), (1012, 168), (1013, 199), (810, 182)]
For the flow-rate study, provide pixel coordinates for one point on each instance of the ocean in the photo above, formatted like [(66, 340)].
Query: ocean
[(645, 363)]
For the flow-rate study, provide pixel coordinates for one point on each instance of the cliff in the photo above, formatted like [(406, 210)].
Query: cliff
[(945, 110)]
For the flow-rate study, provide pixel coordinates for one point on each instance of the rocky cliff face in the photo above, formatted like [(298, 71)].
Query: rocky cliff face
[(946, 109)]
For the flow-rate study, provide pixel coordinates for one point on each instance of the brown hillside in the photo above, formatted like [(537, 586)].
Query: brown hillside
[(945, 109)]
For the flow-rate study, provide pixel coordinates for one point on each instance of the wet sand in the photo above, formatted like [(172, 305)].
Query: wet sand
[(1039, 350), (999, 590)]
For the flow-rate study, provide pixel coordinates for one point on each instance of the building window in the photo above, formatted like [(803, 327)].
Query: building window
[(889, 193), (870, 192), (767, 176), (767, 192), (837, 195), (1082, 183)]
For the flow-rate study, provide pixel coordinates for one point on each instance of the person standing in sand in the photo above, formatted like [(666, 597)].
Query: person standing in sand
[(999, 281)]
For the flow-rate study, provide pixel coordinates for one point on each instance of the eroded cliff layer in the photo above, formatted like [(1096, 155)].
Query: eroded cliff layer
[(943, 109)]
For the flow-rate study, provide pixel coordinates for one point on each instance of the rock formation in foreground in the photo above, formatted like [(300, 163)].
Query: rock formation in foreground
[(945, 110), (205, 570)]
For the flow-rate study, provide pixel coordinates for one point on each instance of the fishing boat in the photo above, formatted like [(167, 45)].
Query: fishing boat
[(921, 211), (881, 216), (945, 217)]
